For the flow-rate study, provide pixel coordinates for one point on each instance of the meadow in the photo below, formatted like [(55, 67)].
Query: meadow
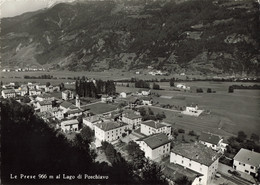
[(229, 112)]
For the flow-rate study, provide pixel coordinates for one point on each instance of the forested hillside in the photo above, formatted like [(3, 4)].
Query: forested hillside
[(194, 36)]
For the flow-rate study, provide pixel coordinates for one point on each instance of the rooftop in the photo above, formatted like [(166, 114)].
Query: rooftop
[(153, 124), (70, 122), (209, 138), (92, 119), (74, 111), (248, 157), (8, 91), (106, 126), (45, 102), (196, 152), (132, 116), (68, 105), (155, 140)]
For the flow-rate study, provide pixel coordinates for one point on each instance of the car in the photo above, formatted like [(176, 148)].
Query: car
[(234, 173)]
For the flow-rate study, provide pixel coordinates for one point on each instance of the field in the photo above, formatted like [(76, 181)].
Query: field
[(229, 112), (100, 108)]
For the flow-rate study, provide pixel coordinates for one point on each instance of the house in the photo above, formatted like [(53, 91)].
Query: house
[(122, 95), (57, 113), (40, 87), (147, 101), (110, 131), (34, 92), (132, 118), (198, 158), (247, 161), (213, 141), (182, 86), (133, 102), (150, 127), (48, 89), (44, 97), (106, 98), (70, 125), (8, 93), (44, 106), (155, 146), (72, 113), (146, 93), (192, 110), (66, 106), (67, 95), (92, 121)]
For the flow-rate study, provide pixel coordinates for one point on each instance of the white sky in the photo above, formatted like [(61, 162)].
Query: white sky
[(10, 8)]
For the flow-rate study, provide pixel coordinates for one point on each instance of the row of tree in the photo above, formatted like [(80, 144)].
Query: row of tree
[(233, 87), (86, 88)]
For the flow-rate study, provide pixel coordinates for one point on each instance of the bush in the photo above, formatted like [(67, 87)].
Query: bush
[(181, 131), (124, 134), (192, 133)]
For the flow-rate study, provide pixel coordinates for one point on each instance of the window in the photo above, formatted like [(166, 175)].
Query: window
[(246, 171), (190, 165), (181, 162)]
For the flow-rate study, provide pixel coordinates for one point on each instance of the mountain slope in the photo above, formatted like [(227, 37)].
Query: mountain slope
[(196, 36)]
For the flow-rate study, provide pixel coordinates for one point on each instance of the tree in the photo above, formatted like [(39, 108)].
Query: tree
[(241, 136), (87, 134), (199, 90), (156, 86), (136, 154), (230, 89), (172, 80), (254, 137), (152, 173), (183, 181), (192, 133), (48, 84), (209, 90), (181, 130), (62, 86)]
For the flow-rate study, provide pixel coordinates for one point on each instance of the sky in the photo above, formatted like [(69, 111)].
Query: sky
[(10, 8)]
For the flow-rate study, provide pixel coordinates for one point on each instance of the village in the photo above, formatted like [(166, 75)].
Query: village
[(127, 117)]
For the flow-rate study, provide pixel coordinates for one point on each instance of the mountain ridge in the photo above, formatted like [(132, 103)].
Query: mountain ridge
[(195, 36)]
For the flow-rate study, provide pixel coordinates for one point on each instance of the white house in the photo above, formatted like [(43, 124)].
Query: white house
[(131, 118), (57, 113), (70, 125), (34, 92), (44, 97), (182, 86), (198, 158), (192, 110), (44, 106), (8, 93), (147, 101), (49, 89), (247, 161), (150, 127), (110, 131), (92, 121), (106, 98), (133, 102), (213, 141), (146, 93), (67, 95), (123, 95), (155, 146), (40, 87)]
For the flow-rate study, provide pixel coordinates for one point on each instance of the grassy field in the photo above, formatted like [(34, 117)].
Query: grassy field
[(229, 112), (100, 108)]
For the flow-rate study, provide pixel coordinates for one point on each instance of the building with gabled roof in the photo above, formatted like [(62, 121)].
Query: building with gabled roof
[(44, 106), (155, 146), (74, 112), (132, 118), (57, 113), (198, 158), (66, 106), (213, 141), (150, 127), (91, 121), (106, 98), (247, 161), (67, 95), (8, 93), (110, 131), (44, 96), (70, 125)]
